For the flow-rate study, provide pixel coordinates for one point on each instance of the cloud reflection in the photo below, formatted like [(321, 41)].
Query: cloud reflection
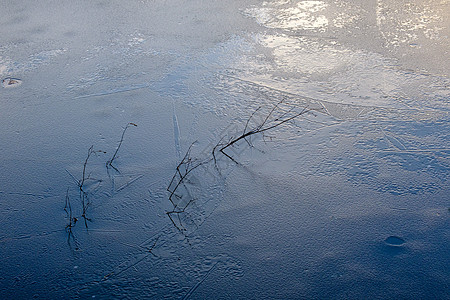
[(290, 15)]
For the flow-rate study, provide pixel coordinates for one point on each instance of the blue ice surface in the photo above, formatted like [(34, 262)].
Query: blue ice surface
[(348, 201)]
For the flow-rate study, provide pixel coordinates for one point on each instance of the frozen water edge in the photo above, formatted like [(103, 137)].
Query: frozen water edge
[(312, 207)]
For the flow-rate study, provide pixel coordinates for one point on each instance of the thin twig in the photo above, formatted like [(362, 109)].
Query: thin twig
[(109, 162), (265, 125), (178, 212), (71, 221), (83, 194), (183, 170)]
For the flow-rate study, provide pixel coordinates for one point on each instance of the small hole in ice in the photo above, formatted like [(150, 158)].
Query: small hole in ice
[(394, 241), (11, 82)]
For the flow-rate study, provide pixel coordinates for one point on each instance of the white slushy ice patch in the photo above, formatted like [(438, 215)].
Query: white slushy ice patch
[(411, 23), (332, 72), (281, 15)]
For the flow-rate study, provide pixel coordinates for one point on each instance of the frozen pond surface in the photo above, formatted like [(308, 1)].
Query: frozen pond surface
[(348, 200)]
